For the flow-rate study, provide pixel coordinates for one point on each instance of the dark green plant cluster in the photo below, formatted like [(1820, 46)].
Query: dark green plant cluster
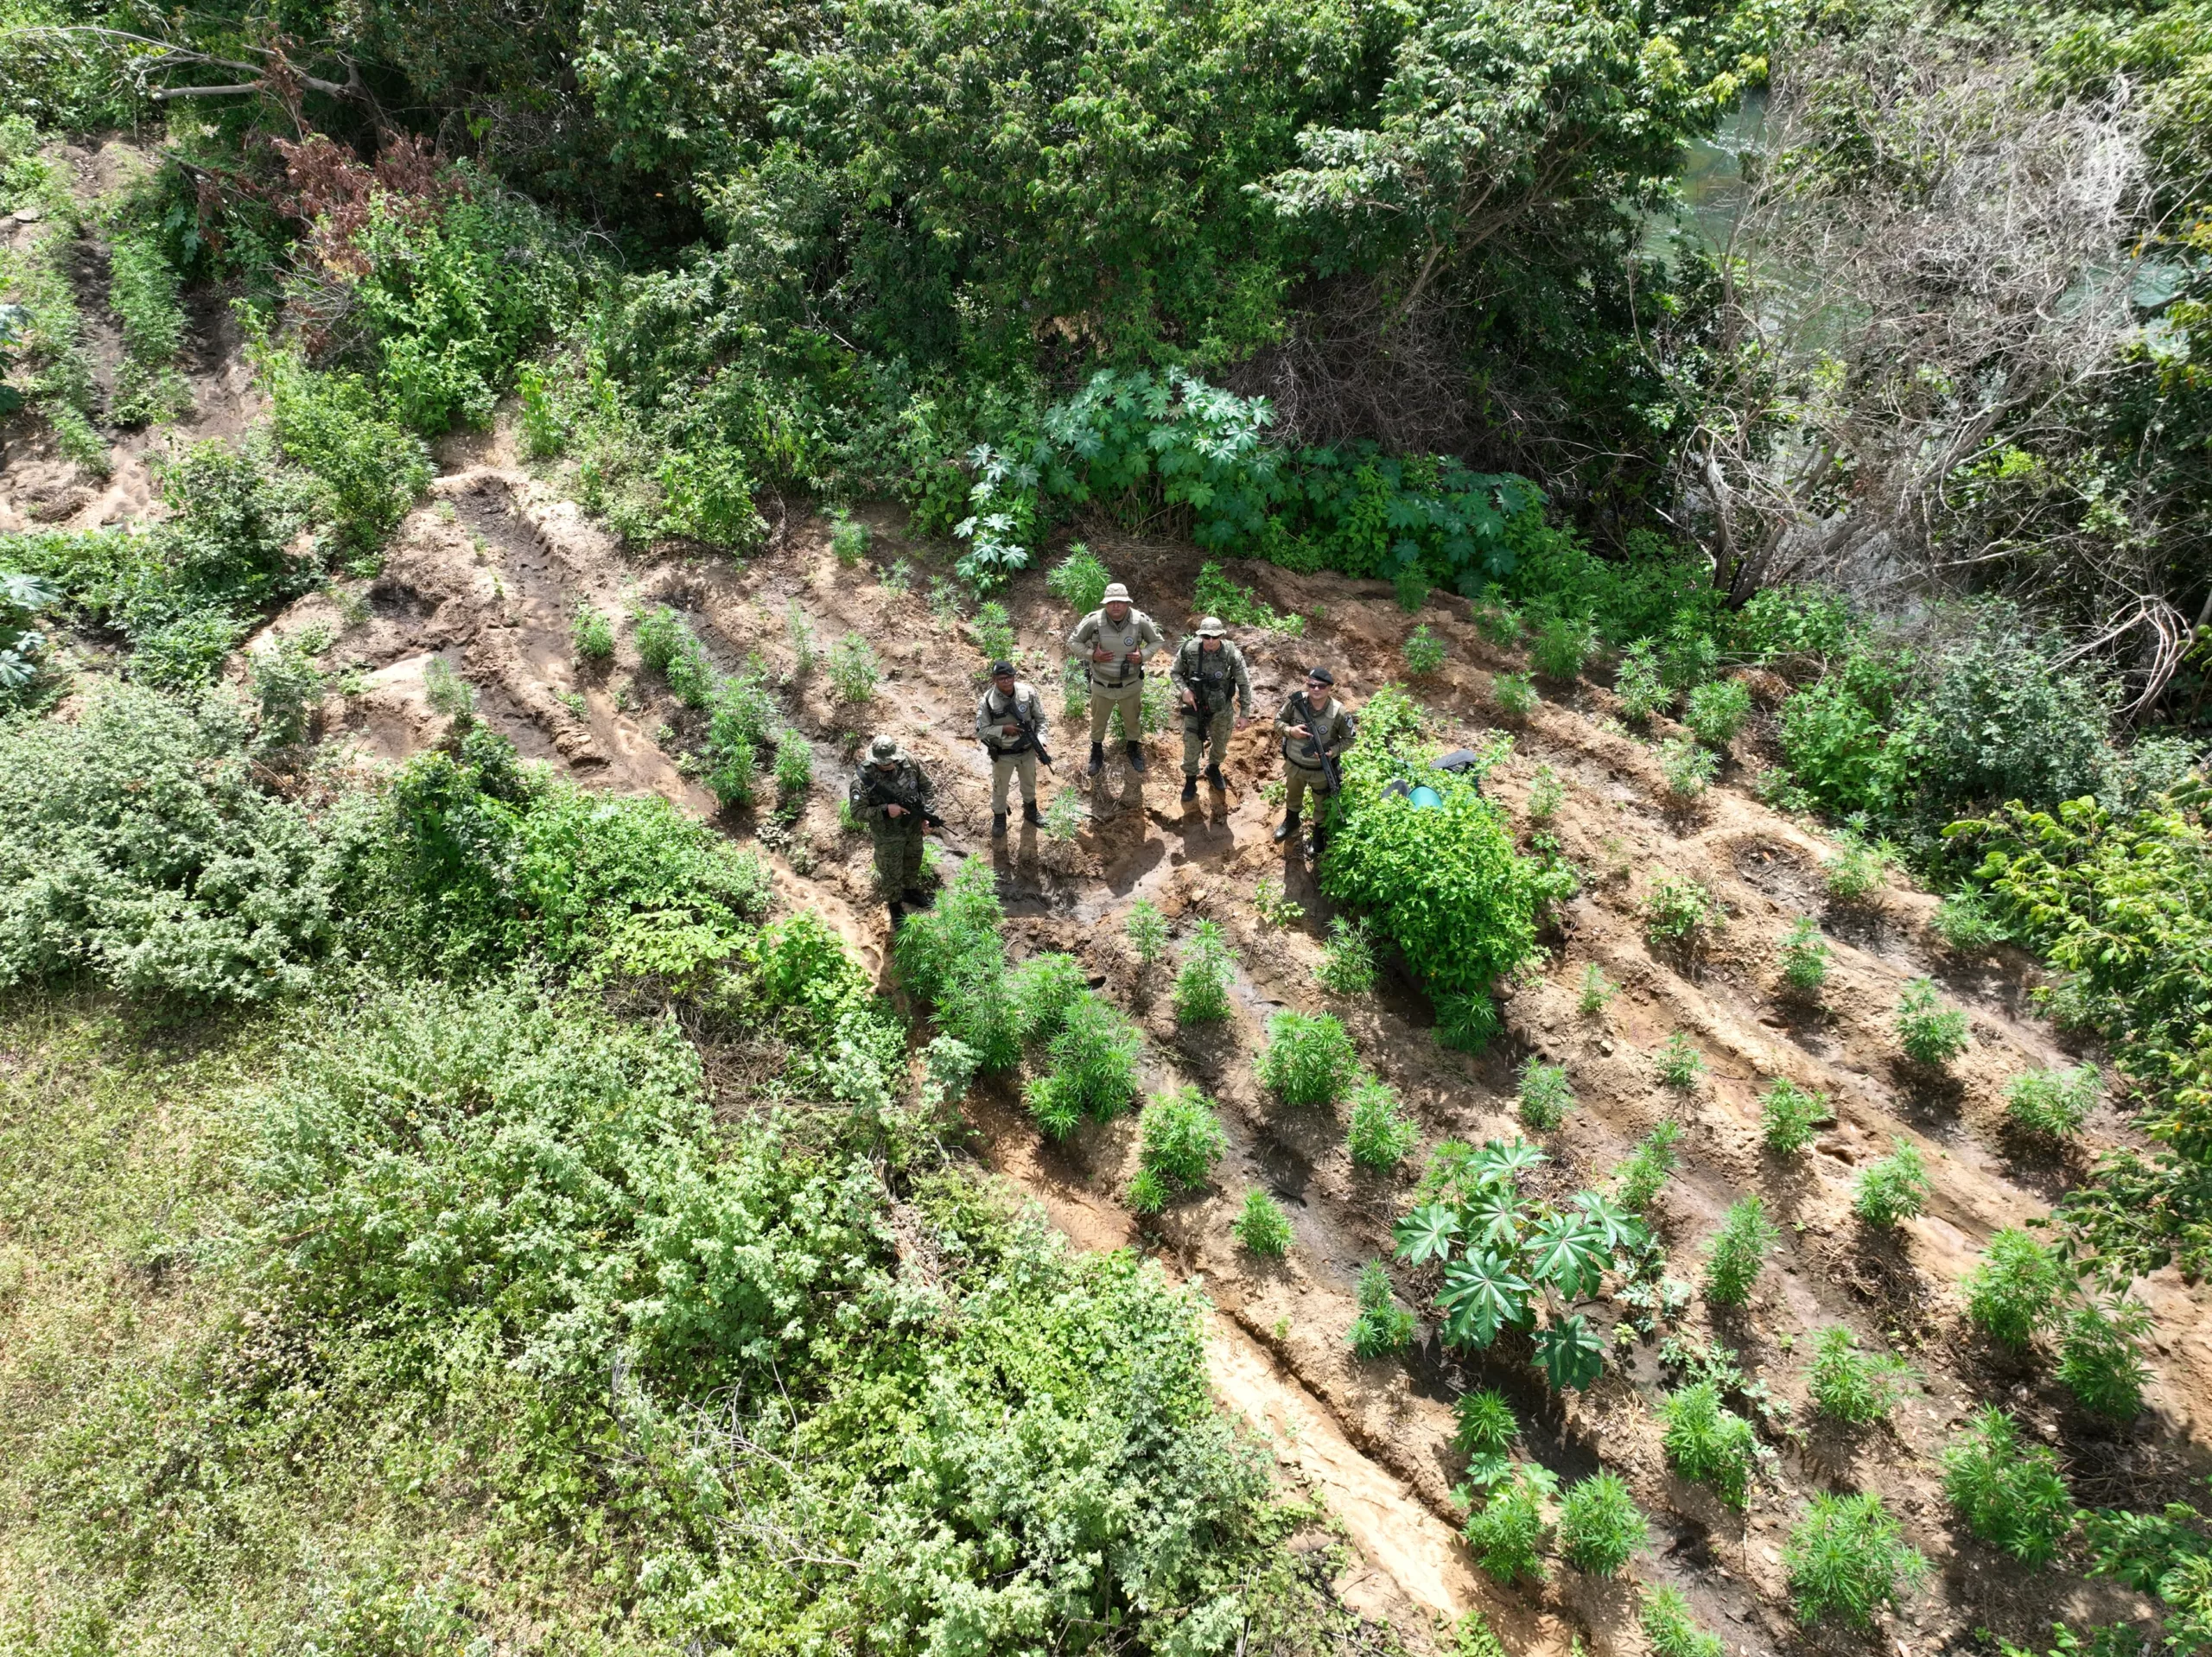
[(1736, 1254), (1600, 1527), (1707, 1443), (1715, 712), (1093, 1067), (1671, 1629), (1308, 1060), (1261, 1226), (1847, 1559), (2009, 1492), (2023, 1289), (1507, 1533), (1849, 1386), (1382, 1326), (1202, 984), (1379, 1133), (1788, 1114), (1179, 1141), (2053, 1103)]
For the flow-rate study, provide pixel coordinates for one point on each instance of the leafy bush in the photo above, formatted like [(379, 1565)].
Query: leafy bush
[(1545, 1095), (135, 848), (593, 634), (1201, 985), (1847, 1558), (1515, 696), (993, 632), (1215, 594), (1642, 691), (1854, 871), (1308, 1060), (1507, 1535), (1261, 1226), (1894, 1189), (1383, 1325), (1381, 1134), (1079, 581), (1804, 959), (1347, 966), (2016, 1288), (448, 695), (1645, 1170), (1423, 652), (1041, 990), (1467, 1023), (1545, 795), (1562, 646), (853, 671), (1094, 1067), (1679, 912), (1600, 1527), (1709, 1443), (2054, 1103), (1487, 1425), (1445, 884), (666, 645), (1687, 768), (1180, 1139), (1930, 1034), (794, 775), (1847, 1386), (1680, 1063), (1597, 992), (1966, 922), (1738, 1251), (1671, 1628), (288, 687), (1716, 712), (2097, 1358), (2010, 1493), (848, 539), (952, 959), (367, 467), (1148, 932)]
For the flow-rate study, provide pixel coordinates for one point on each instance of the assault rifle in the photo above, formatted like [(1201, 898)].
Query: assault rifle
[(1329, 773), (1031, 737), (881, 793)]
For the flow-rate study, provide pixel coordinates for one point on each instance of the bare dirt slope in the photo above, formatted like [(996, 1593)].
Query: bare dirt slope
[(488, 576)]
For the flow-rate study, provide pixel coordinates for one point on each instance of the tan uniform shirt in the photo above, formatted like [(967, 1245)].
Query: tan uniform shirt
[(994, 712), (1097, 633), (1331, 727)]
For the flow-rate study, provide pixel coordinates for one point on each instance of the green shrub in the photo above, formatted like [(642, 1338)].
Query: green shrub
[(1208, 967), (1804, 960), (1261, 1226), (1041, 990), (1507, 1535), (2054, 1103), (1847, 1558), (1737, 1252), (1148, 932), (142, 293), (1445, 884), (1423, 652), (993, 632), (1562, 646), (1545, 795), (1347, 966), (1180, 1139), (1467, 1023), (1849, 1387), (1671, 1628), (1094, 1067), (1501, 624), (1600, 1527), (1930, 1034), (1679, 912), (288, 687), (1645, 1170), (1680, 1063), (1215, 594), (1965, 922), (1545, 1095), (2016, 1290), (1597, 992), (1383, 1325), (2097, 1358), (593, 634), (951, 956), (853, 671), (2009, 1492), (1788, 1114), (794, 774), (136, 849), (1893, 1190), (1687, 768), (666, 645), (1716, 712), (1487, 1425), (1854, 871), (848, 539), (1079, 581), (1380, 1135), (1308, 1060), (1643, 692), (448, 695), (1513, 693), (368, 467), (1709, 1443)]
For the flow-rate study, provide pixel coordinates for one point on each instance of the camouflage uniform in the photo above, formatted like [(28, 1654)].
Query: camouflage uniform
[(1220, 680), (898, 839)]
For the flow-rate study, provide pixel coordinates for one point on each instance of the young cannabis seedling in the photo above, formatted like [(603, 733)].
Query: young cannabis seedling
[(1716, 712), (1679, 1063), (847, 539), (1737, 1252), (1180, 1139), (2097, 1358), (1854, 871), (1261, 1226), (1598, 991), (1507, 1535), (1148, 932), (1423, 652), (1930, 1033), (2017, 1289), (1380, 1135), (1562, 646), (1847, 1558), (2053, 1104), (1347, 966), (1804, 960), (1645, 1169), (1641, 689), (1671, 1628), (1308, 1060), (1467, 1023), (852, 671), (1893, 1190), (1513, 693), (1966, 923), (1679, 912), (1382, 1326), (1202, 986), (1487, 1423), (1788, 1114), (1600, 1527), (2009, 1492), (593, 634), (1546, 1095), (1687, 768), (1546, 794), (1064, 818), (1709, 1443), (1852, 1386)]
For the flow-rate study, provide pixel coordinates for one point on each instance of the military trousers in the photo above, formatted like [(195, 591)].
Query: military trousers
[(898, 860), (1207, 743), (1005, 766), (1128, 698), (1298, 782)]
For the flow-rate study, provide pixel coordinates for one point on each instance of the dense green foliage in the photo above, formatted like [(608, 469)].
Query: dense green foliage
[(1600, 1527), (2009, 1492), (1180, 1139), (1308, 1060), (1707, 1443), (1735, 1254), (1847, 1385), (1847, 1559)]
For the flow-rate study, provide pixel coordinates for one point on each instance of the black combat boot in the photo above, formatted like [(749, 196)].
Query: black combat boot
[(1190, 789), (1214, 780), (1287, 827), (1030, 813), (915, 897), (1135, 751), (998, 825), (1097, 758)]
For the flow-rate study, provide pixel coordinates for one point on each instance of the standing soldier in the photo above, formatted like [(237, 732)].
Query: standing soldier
[(1315, 729), (1116, 637), (1209, 676), (891, 793), (1010, 724)]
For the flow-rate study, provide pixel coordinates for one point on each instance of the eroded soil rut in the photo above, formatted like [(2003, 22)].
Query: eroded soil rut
[(489, 575)]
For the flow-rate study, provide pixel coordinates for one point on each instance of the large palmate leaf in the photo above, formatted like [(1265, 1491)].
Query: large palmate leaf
[(1569, 1252), (1493, 1218), (1427, 1234), (1509, 1159), (1570, 1355), (1622, 1230), (1480, 1294)]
